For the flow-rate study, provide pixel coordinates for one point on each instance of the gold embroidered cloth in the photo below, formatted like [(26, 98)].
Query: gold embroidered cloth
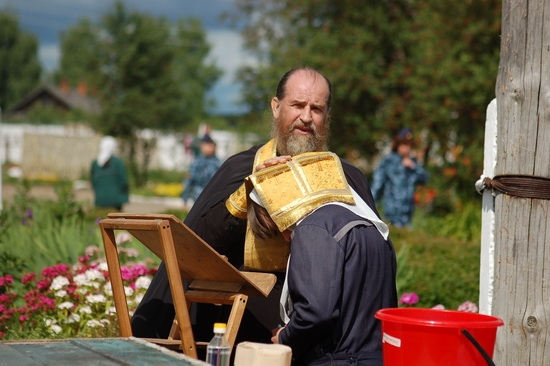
[(259, 255), (291, 191)]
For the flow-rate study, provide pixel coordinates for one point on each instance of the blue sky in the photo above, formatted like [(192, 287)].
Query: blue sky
[(47, 18)]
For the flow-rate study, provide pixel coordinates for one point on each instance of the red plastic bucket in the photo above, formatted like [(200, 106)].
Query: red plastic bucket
[(417, 336)]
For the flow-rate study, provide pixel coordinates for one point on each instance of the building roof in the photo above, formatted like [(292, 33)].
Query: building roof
[(64, 98)]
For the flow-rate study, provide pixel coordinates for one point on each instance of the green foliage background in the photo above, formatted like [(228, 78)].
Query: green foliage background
[(426, 64), (19, 65)]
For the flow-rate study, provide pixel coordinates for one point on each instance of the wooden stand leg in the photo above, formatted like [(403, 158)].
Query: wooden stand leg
[(235, 317)]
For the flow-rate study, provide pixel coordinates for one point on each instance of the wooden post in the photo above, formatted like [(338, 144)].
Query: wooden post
[(522, 225)]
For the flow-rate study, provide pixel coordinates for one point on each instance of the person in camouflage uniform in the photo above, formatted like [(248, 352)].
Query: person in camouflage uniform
[(201, 170), (395, 179)]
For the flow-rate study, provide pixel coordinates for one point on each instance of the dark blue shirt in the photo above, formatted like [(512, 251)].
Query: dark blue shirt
[(341, 272)]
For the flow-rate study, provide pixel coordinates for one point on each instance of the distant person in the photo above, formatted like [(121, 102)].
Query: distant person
[(201, 170), (109, 177), (396, 178), (196, 142)]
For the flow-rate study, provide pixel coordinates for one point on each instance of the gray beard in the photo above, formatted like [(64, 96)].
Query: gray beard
[(290, 144), (295, 145)]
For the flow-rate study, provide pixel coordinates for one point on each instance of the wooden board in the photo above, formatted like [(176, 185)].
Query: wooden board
[(198, 262)]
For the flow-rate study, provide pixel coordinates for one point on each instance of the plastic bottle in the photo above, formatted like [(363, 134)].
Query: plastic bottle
[(218, 350)]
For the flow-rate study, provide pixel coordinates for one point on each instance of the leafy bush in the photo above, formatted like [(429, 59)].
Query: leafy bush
[(436, 261), (38, 233)]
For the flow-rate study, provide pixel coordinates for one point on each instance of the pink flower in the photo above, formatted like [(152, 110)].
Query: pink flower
[(439, 307), (28, 278), (126, 273), (6, 280), (84, 259), (54, 271), (409, 298), (468, 307), (43, 285), (4, 298), (139, 270)]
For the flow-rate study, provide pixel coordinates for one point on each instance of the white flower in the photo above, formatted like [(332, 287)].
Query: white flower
[(92, 250), (103, 266), (123, 237), (89, 278), (61, 293), (138, 298), (94, 323), (111, 311), (95, 299), (73, 318), (143, 282), (108, 289), (131, 252), (50, 322), (59, 282), (85, 309), (56, 329), (65, 305), (128, 291), (94, 274), (469, 307), (82, 290), (80, 280)]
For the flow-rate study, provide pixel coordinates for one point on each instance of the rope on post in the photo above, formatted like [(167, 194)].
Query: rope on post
[(524, 186)]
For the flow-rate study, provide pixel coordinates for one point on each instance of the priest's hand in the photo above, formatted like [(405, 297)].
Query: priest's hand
[(275, 332), (272, 162)]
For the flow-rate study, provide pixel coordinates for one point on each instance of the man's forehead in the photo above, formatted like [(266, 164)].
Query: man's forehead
[(307, 86)]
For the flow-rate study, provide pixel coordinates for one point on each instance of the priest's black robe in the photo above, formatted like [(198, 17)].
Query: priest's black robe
[(210, 220)]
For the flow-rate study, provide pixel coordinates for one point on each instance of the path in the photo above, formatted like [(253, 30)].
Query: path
[(137, 204)]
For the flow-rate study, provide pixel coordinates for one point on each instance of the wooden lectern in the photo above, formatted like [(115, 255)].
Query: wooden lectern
[(212, 279)]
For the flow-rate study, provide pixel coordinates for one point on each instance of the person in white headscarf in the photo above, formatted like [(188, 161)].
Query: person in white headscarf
[(108, 176)]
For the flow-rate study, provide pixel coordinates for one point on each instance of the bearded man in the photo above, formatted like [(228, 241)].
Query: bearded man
[(301, 119)]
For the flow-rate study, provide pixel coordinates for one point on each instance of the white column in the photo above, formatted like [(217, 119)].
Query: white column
[(487, 262)]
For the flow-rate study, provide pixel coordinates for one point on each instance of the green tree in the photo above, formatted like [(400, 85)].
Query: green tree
[(146, 72), (426, 64), (19, 65)]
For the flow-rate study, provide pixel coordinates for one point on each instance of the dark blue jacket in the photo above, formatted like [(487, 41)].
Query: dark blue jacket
[(341, 272)]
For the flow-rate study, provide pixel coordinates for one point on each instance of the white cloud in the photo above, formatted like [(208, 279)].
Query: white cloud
[(49, 55), (229, 55), (228, 52)]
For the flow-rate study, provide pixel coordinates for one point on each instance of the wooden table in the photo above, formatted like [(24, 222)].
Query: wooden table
[(89, 352)]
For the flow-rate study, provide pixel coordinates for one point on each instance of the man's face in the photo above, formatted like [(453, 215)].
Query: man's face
[(301, 116)]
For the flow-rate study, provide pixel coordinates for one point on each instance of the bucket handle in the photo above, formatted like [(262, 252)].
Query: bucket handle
[(478, 347)]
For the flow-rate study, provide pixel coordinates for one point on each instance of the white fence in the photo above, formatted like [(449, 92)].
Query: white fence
[(66, 152)]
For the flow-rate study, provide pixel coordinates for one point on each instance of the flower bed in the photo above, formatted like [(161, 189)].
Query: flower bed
[(67, 301)]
